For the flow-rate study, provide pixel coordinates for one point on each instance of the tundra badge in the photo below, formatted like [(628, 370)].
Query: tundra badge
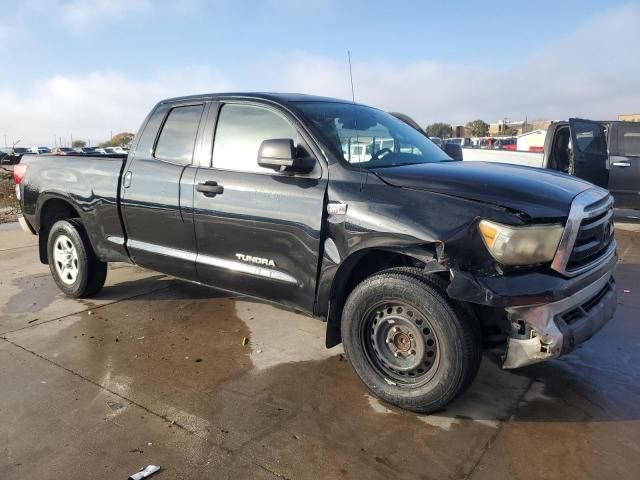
[(256, 260)]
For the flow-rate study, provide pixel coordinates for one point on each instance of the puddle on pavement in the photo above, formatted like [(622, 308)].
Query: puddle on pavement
[(34, 292), (179, 352)]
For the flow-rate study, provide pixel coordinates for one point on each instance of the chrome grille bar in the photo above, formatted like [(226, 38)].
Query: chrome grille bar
[(588, 204)]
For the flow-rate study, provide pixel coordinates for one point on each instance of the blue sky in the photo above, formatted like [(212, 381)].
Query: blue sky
[(88, 67)]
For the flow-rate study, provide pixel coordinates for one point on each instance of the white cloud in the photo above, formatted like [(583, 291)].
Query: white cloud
[(90, 106), (77, 13), (592, 72)]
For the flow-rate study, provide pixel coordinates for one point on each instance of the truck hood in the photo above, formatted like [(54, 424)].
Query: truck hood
[(537, 192)]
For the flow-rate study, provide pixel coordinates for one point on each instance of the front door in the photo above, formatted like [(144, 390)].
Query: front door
[(624, 181), (590, 156), (157, 192), (258, 230)]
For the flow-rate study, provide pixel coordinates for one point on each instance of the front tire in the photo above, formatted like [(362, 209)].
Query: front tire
[(408, 342), (73, 264)]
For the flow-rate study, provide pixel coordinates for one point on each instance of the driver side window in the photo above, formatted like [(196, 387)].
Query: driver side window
[(240, 131)]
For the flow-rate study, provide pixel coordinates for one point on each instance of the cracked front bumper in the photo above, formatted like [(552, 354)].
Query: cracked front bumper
[(544, 331)]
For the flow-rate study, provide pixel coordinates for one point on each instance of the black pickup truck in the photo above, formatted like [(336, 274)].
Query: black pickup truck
[(345, 213)]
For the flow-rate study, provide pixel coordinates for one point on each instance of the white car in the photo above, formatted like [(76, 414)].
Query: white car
[(115, 150)]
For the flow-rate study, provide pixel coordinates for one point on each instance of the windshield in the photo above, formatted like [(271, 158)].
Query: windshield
[(371, 138)]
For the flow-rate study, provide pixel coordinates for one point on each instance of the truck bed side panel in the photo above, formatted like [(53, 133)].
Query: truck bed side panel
[(90, 185)]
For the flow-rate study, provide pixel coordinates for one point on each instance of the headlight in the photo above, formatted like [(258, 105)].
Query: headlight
[(525, 245)]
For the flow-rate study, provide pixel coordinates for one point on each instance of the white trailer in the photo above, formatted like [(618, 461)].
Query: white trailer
[(531, 141)]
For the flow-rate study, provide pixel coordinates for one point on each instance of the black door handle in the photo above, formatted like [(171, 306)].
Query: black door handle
[(210, 188)]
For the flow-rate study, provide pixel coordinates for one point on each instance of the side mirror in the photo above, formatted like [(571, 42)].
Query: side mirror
[(453, 150), (280, 154)]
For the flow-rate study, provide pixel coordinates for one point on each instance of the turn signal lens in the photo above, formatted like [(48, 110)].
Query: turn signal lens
[(489, 233)]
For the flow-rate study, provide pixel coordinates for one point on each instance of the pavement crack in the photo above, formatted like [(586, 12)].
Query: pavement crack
[(102, 387), (16, 248), (268, 470), (489, 443)]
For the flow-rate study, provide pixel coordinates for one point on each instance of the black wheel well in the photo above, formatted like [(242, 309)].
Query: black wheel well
[(355, 269), (53, 210)]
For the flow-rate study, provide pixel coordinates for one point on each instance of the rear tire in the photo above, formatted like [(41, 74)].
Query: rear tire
[(408, 342), (73, 264)]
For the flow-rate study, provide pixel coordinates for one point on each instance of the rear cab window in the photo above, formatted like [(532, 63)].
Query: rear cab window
[(177, 138)]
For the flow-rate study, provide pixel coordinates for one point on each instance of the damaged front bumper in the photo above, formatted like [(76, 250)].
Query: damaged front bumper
[(544, 331)]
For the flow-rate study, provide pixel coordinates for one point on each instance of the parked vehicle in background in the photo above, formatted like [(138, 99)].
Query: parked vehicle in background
[(450, 148), (64, 151), (409, 256), (463, 142), (486, 143), (85, 150), (437, 140), (39, 150), (15, 155), (115, 150), (607, 155), (505, 143), (101, 151)]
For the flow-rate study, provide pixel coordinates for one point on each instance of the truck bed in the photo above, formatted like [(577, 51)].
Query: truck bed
[(91, 182)]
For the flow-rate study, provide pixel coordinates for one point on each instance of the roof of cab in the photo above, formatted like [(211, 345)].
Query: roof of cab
[(277, 97)]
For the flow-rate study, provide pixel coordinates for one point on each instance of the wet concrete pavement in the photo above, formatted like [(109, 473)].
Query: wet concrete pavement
[(154, 371)]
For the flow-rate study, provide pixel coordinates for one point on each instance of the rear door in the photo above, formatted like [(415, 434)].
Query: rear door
[(258, 233), (157, 192), (624, 181), (590, 155)]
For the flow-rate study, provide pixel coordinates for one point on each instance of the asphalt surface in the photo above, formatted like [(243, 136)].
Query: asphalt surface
[(154, 371)]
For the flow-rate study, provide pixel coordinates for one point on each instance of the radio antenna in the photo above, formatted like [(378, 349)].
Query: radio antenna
[(353, 97), (355, 121)]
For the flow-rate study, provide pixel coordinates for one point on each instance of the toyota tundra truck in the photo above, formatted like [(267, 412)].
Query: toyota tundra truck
[(345, 213)]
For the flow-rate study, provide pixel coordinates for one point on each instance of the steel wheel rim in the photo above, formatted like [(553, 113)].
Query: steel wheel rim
[(65, 259), (401, 343)]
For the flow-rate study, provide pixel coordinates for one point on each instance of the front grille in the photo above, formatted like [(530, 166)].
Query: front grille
[(587, 239), (594, 236)]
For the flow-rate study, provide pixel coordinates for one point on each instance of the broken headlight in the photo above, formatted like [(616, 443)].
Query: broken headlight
[(522, 245)]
